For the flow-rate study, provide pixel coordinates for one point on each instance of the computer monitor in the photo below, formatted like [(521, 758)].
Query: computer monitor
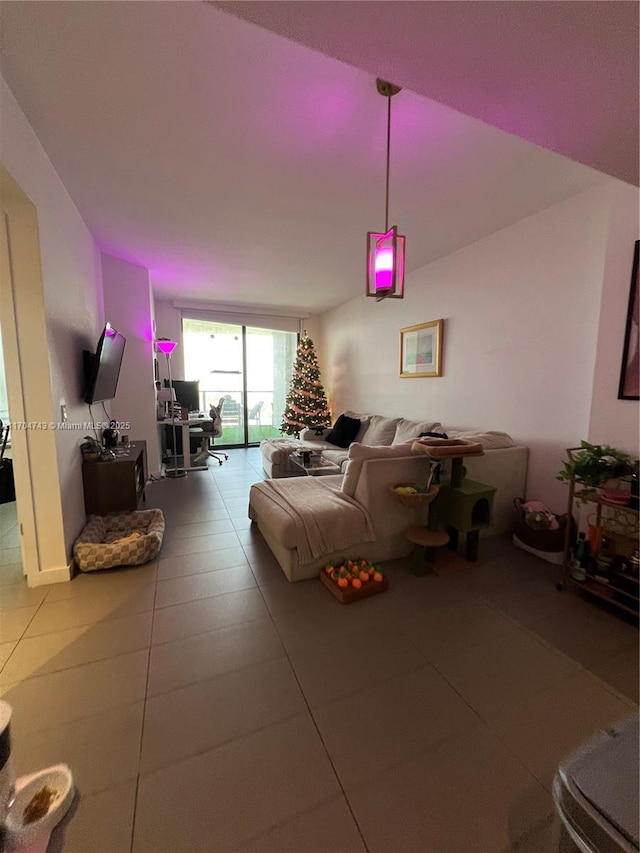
[(187, 393)]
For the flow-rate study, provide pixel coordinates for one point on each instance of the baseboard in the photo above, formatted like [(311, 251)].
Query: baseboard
[(49, 576)]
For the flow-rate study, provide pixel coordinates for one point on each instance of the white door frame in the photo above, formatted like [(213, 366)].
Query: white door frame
[(13, 356)]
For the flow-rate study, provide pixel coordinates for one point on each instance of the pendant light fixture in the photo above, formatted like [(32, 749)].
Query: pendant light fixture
[(385, 251)]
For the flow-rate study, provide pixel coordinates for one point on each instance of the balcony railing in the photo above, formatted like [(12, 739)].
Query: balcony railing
[(260, 415)]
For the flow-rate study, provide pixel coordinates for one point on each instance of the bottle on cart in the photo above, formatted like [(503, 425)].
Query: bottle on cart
[(580, 561)]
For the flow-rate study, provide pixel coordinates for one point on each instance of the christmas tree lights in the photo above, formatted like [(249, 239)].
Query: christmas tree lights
[(306, 404)]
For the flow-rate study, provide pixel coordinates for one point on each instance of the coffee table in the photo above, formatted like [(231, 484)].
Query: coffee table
[(316, 466)]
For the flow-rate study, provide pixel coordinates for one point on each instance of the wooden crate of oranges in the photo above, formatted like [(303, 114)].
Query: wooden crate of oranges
[(352, 580)]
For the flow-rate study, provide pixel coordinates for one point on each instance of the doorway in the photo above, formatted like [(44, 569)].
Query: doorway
[(11, 570), (246, 367)]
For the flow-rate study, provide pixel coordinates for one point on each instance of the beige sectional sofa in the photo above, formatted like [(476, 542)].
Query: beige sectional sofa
[(375, 430), (308, 520)]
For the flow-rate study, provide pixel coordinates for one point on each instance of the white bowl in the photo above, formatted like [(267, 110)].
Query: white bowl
[(60, 780)]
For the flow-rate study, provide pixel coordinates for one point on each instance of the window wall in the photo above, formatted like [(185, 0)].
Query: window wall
[(248, 368)]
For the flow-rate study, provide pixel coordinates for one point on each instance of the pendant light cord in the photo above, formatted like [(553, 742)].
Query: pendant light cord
[(386, 200)]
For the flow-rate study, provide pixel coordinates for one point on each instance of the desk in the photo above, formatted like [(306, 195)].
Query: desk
[(184, 426)]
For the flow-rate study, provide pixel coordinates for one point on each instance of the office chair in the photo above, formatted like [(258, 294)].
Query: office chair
[(211, 431)]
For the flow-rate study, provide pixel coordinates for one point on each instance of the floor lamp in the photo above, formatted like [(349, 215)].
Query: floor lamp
[(166, 347)]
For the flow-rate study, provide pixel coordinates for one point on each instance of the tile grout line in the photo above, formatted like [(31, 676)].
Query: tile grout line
[(315, 724), (26, 628), (144, 715)]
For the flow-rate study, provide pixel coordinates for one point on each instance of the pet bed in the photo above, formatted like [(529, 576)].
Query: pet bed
[(121, 539)]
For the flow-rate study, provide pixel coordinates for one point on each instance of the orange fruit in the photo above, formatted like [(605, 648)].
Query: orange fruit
[(342, 582), (377, 576), (356, 583), (364, 576), (328, 569)]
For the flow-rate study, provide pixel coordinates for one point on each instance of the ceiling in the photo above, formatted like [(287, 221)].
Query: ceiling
[(241, 166)]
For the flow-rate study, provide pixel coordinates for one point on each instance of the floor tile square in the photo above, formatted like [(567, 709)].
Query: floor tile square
[(332, 670), (199, 717), (14, 623), (327, 828), (453, 629), (548, 726), (197, 544), (195, 564), (60, 697), (506, 670), (621, 671), (19, 595), (87, 609), (102, 750), (467, 793), (192, 587), (76, 646), (5, 652), (201, 528), (207, 614), (237, 791), (204, 656), (379, 726), (92, 827), (585, 632)]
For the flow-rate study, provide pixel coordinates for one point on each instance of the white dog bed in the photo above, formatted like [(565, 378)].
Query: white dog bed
[(122, 539)]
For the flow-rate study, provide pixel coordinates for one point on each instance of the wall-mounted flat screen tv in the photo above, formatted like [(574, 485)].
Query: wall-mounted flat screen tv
[(102, 368)]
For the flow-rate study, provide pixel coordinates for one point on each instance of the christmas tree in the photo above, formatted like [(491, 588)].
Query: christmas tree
[(306, 404)]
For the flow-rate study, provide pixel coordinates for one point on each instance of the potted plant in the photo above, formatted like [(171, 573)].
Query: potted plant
[(593, 465), (634, 477)]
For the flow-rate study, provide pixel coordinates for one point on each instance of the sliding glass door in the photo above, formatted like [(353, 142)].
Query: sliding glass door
[(248, 368)]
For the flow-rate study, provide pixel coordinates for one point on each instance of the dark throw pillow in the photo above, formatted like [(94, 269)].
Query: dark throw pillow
[(433, 435), (344, 431)]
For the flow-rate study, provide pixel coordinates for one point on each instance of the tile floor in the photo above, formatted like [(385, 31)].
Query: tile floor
[(205, 704)]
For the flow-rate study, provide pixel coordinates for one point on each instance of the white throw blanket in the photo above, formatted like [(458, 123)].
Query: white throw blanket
[(325, 518)]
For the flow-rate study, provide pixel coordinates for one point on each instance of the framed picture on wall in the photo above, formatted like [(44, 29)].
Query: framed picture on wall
[(421, 350), (629, 388)]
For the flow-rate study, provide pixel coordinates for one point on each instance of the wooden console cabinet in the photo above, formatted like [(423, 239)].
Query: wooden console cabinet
[(118, 484)]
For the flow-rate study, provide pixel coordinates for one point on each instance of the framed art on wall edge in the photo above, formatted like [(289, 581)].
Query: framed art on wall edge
[(629, 388), (421, 350)]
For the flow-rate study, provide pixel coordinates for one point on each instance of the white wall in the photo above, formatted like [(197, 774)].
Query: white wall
[(72, 292), (615, 422), (169, 325), (522, 314), (128, 306)]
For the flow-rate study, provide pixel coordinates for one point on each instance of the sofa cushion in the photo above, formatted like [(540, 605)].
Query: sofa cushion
[(336, 455), (381, 431), (344, 431), (407, 430), (359, 452)]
